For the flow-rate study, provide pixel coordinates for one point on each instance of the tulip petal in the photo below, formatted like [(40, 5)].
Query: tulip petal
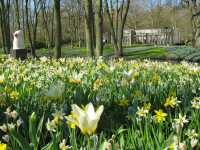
[(99, 111), (90, 111), (77, 110)]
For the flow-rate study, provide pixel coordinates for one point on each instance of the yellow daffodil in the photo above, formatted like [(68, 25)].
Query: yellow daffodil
[(58, 117), (147, 106), (14, 95), (142, 112), (160, 115), (3, 146), (123, 102), (7, 89), (155, 77), (86, 119), (97, 84), (72, 123), (75, 81), (171, 102)]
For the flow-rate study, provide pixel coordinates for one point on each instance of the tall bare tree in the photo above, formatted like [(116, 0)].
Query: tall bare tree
[(99, 28), (89, 26), (121, 11), (5, 24), (17, 14), (58, 35)]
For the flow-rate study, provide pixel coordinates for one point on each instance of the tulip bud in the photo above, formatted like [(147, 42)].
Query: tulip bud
[(33, 117)]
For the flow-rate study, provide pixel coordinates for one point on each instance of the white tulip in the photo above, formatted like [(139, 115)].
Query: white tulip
[(86, 119)]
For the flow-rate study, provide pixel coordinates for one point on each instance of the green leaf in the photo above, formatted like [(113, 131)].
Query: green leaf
[(122, 142), (121, 130), (103, 146), (20, 140), (39, 129), (48, 146), (32, 130)]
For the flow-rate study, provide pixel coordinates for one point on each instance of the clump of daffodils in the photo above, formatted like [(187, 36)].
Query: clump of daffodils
[(160, 115), (177, 145), (11, 114), (86, 119), (97, 84), (196, 103), (17, 121), (171, 102)]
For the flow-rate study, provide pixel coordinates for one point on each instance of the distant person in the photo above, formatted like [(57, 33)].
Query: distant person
[(18, 42)]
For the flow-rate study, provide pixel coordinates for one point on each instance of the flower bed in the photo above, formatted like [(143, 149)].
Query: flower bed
[(145, 104)]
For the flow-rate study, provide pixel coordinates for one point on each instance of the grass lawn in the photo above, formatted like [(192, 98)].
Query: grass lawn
[(175, 53)]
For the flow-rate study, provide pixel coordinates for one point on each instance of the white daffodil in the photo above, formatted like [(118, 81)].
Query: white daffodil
[(43, 59), (4, 128), (194, 142), (63, 145), (19, 122), (14, 114), (11, 126), (181, 120), (86, 119), (6, 138)]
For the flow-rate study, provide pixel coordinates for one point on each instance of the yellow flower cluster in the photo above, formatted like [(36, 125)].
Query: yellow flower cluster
[(97, 84)]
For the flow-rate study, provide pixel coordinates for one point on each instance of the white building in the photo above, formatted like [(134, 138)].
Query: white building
[(160, 36)]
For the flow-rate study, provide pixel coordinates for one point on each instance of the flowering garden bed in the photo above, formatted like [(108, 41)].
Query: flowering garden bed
[(48, 104)]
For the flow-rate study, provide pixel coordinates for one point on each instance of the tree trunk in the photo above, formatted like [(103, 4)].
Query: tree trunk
[(5, 25), (99, 29), (121, 30), (112, 31), (29, 30), (89, 24), (17, 14), (45, 23), (117, 34), (58, 36)]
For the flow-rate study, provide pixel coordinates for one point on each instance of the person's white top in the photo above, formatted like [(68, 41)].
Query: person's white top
[(18, 41)]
